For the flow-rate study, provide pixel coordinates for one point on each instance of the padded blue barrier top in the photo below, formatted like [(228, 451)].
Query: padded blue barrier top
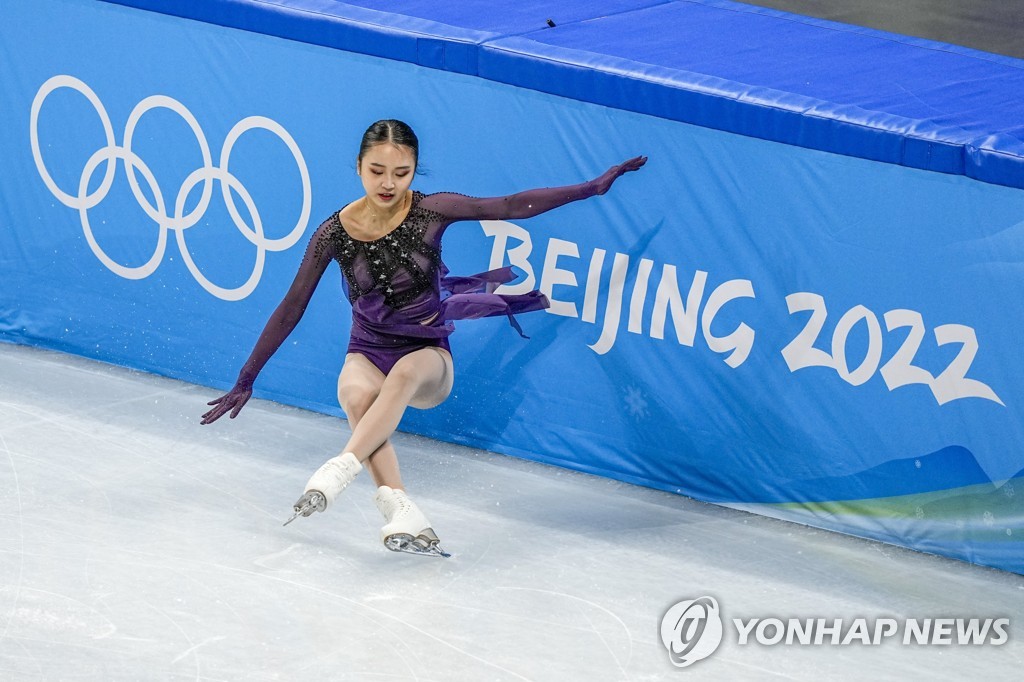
[(718, 64)]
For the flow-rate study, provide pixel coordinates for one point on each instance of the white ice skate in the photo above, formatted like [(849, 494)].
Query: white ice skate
[(326, 484), (407, 529)]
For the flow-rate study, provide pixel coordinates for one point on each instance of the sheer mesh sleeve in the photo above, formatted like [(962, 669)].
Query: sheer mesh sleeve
[(525, 204), (319, 253)]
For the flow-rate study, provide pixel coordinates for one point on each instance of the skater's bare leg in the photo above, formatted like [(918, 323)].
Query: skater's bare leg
[(374, 404), (358, 386), (421, 379), (383, 467)]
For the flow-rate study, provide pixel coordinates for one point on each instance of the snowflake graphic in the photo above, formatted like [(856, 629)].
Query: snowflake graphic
[(989, 519), (919, 513), (636, 404), (1008, 490)]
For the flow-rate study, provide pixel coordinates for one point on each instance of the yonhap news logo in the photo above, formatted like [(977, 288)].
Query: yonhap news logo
[(168, 210), (693, 629)]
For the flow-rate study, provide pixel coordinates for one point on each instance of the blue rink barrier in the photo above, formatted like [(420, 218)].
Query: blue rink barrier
[(806, 305)]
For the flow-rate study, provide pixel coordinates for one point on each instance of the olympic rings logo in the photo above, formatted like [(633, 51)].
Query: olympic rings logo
[(179, 221)]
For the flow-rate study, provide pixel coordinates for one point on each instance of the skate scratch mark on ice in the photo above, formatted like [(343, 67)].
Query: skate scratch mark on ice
[(490, 543), (30, 656), (606, 645), (374, 635), (82, 410), (21, 537), (134, 399), (358, 605), (629, 638), (262, 561), (193, 646), (188, 651), (36, 418), (72, 474), (215, 596), (161, 560), (85, 607), (409, 666), (134, 447)]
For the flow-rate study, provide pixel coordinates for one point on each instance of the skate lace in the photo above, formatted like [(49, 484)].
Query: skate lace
[(402, 504), (394, 505)]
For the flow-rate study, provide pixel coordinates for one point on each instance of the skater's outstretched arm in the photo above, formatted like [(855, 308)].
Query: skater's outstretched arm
[(319, 253), (529, 203)]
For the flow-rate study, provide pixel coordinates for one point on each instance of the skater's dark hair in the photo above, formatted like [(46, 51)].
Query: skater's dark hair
[(390, 130)]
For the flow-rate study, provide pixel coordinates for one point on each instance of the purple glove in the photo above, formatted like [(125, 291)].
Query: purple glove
[(234, 400)]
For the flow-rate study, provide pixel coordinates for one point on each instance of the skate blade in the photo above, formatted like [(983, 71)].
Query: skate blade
[(310, 502), (424, 544)]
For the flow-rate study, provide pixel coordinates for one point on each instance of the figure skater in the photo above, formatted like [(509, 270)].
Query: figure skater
[(388, 244)]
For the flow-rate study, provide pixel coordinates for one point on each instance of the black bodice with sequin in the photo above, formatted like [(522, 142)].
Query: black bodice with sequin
[(401, 265)]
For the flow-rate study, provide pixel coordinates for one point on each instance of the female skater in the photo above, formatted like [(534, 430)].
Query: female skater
[(388, 244)]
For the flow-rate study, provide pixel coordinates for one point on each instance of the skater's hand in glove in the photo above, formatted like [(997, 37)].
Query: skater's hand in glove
[(604, 182), (234, 400)]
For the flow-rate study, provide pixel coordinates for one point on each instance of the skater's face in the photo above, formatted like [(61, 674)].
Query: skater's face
[(386, 170)]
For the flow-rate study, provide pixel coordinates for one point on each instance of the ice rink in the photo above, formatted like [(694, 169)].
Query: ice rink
[(137, 545)]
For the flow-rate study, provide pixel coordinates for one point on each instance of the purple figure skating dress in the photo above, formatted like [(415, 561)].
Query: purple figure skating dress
[(402, 297)]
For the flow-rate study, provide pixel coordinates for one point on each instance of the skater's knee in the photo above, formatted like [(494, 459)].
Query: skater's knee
[(356, 399)]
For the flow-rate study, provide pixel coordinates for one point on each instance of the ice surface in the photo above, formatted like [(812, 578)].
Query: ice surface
[(137, 545)]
